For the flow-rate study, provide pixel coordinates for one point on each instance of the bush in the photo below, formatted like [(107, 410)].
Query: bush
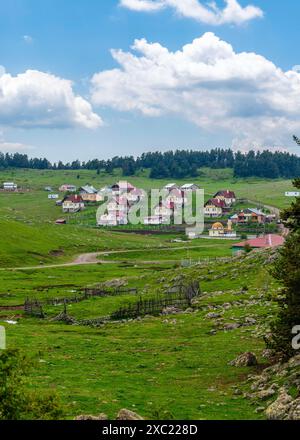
[(17, 402)]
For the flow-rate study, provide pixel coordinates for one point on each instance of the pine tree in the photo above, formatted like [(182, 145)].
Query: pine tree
[(287, 271)]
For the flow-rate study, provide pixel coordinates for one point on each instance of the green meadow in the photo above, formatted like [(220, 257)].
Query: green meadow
[(165, 367)]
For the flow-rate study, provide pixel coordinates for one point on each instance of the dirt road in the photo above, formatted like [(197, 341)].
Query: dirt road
[(94, 258)]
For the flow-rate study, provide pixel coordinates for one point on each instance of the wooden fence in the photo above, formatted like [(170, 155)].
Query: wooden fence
[(155, 306), (34, 308)]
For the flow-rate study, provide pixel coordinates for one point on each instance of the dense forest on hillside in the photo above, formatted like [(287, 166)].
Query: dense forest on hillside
[(176, 164)]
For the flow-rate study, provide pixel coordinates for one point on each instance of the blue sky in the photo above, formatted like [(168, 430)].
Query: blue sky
[(125, 105)]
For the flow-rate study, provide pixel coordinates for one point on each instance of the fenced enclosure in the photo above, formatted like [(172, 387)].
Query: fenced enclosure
[(179, 296), (34, 308), (155, 306)]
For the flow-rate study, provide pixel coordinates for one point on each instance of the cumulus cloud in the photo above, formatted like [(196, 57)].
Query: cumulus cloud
[(231, 13), (38, 99), (243, 95)]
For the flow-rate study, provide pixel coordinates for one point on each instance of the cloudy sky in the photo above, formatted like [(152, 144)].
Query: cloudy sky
[(89, 78)]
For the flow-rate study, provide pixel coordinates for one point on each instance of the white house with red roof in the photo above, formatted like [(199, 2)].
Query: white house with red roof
[(228, 196), (214, 208), (72, 203)]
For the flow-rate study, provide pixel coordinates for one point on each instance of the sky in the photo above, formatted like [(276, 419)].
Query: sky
[(99, 78)]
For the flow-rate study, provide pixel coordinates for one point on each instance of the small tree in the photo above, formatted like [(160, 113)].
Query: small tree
[(287, 270), (16, 401)]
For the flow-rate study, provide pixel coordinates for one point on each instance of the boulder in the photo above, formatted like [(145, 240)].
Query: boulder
[(280, 409), (126, 414), (245, 360)]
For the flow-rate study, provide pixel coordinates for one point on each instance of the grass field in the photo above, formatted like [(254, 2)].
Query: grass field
[(163, 367)]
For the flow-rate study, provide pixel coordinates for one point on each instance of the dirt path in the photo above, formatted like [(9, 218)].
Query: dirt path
[(93, 258)]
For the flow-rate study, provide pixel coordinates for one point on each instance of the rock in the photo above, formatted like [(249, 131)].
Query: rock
[(267, 354), (171, 310), (250, 321), (279, 410), (126, 414), (245, 360), (213, 315), (294, 413), (231, 326), (89, 417), (265, 394)]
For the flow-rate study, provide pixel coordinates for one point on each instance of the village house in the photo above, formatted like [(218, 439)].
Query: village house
[(267, 241), (164, 209), (176, 197), (218, 230), (156, 220), (122, 187), (135, 195), (170, 187), (10, 186), (90, 194), (189, 187), (229, 197), (113, 219), (72, 203), (249, 215), (214, 208), (68, 188), (119, 204)]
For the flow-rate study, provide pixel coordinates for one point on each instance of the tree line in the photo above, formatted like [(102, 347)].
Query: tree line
[(175, 164)]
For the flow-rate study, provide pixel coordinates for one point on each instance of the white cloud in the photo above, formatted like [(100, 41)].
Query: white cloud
[(232, 13), (242, 95), (28, 39), (38, 99), (12, 147), (142, 5)]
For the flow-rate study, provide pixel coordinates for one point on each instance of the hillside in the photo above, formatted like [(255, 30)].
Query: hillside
[(190, 350)]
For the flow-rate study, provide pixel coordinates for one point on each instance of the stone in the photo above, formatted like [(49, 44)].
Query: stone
[(126, 414), (245, 360), (89, 417), (279, 410), (265, 394), (294, 413), (213, 315), (231, 326)]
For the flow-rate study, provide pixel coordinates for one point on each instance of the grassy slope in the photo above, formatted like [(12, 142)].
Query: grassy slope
[(162, 367)]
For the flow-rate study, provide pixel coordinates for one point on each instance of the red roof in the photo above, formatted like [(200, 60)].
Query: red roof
[(216, 202), (227, 194), (74, 198), (270, 240)]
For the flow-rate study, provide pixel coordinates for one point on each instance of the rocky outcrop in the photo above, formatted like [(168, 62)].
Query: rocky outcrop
[(279, 387), (245, 360)]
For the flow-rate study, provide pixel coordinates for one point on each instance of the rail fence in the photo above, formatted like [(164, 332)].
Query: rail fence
[(34, 308), (156, 306)]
